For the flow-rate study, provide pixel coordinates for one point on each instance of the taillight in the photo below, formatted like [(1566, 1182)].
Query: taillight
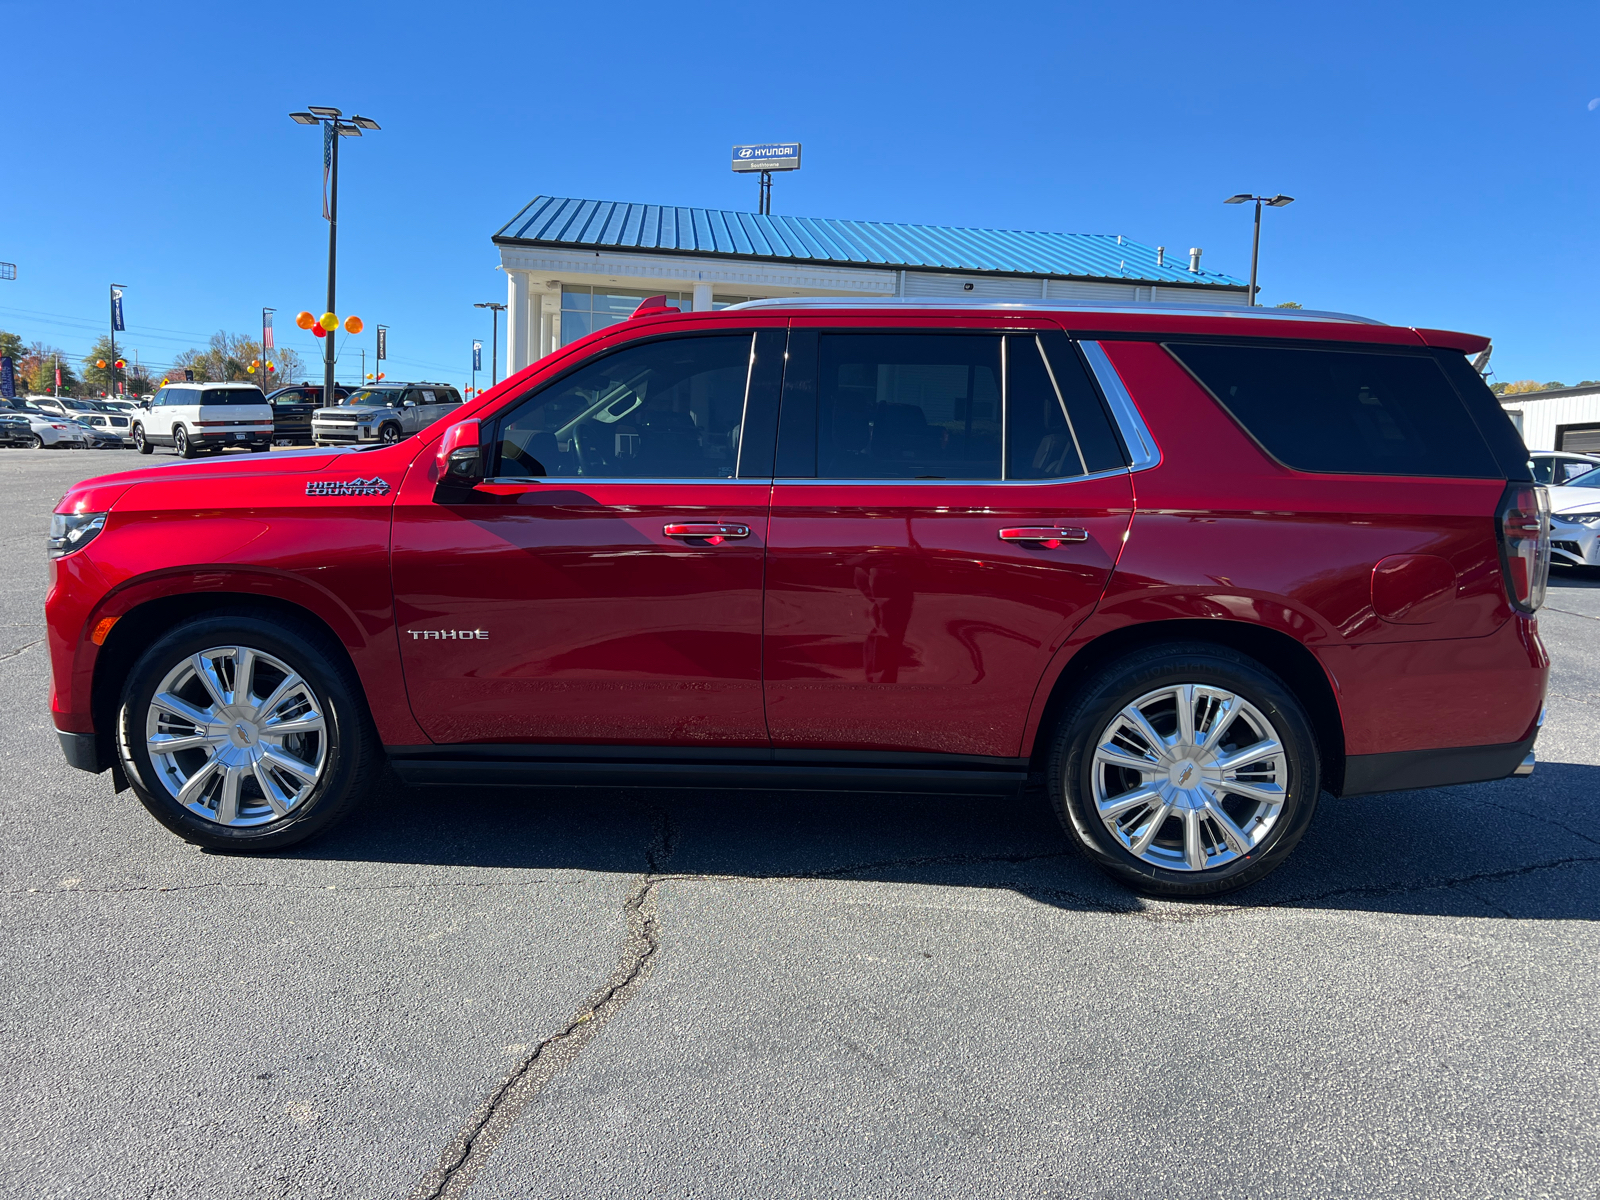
[(1523, 524)]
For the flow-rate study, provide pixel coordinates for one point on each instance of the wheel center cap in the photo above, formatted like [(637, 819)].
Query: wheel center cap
[(243, 734), (1185, 773)]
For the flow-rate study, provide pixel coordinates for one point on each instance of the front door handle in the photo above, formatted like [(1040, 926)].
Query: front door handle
[(714, 533), (1049, 537)]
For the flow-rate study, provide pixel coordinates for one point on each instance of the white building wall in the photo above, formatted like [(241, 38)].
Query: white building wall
[(1540, 419)]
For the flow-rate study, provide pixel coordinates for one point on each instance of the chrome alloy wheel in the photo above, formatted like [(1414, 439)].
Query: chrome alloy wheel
[(236, 736), (1190, 777)]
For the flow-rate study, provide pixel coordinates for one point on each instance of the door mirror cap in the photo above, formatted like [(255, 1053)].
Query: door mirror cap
[(460, 458)]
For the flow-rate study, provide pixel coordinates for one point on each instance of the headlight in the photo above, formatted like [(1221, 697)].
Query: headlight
[(73, 531), (1589, 518)]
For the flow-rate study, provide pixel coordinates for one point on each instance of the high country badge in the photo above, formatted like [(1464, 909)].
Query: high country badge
[(348, 487)]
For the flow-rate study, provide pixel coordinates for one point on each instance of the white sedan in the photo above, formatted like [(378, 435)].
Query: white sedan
[(46, 430)]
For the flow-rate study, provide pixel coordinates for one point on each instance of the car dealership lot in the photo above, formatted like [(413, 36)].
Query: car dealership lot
[(791, 994)]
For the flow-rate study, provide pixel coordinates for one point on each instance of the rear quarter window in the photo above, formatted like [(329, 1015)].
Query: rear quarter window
[(1346, 412)]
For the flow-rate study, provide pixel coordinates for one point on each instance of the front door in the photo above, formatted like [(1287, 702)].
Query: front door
[(605, 585), (954, 504)]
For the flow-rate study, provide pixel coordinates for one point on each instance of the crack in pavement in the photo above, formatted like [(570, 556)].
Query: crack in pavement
[(20, 649), (483, 1132)]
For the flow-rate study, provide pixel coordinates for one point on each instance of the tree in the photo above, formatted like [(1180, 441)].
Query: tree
[(41, 363), (1521, 387), (227, 360), (1288, 304), (98, 379), (11, 346)]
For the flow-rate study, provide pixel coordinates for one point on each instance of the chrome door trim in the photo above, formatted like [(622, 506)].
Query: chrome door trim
[(1142, 446)]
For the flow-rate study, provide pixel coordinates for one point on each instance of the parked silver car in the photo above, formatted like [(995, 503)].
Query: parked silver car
[(383, 413), (47, 430)]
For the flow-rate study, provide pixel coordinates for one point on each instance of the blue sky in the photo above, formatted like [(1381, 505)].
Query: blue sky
[(1443, 156)]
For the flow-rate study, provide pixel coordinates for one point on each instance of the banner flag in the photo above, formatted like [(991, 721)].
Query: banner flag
[(8, 378), (383, 341), (477, 356), (58, 374), (116, 310), (266, 333), (327, 166)]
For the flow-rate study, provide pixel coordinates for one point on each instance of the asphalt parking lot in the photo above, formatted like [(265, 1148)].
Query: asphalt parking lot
[(571, 993)]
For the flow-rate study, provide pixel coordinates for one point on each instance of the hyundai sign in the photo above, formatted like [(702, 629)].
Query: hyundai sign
[(768, 156)]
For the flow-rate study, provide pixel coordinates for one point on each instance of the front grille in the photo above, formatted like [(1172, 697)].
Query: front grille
[(1570, 547), (337, 435)]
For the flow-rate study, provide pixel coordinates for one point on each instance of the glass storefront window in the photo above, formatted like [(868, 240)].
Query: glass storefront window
[(586, 309)]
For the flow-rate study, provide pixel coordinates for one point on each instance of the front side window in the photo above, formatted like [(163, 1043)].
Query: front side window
[(1345, 411), (908, 406), (671, 409)]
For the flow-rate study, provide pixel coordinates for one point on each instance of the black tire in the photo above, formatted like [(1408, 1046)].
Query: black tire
[(1106, 693), (260, 447), (389, 434), (141, 443), (352, 756), (35, 442), (181, 446)]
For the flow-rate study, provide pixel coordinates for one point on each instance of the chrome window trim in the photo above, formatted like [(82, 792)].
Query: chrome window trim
[(1136, 434), (768, 480), (987, 483)]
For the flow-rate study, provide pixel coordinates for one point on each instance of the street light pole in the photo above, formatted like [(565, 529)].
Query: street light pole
[(1277, 201), (333, 128), (494, 343)]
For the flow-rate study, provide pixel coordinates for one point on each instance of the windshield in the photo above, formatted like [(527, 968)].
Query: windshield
[(1589, 479), (386, 396), (232, 396)]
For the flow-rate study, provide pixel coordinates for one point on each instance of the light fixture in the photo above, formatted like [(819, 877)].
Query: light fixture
[(1277, 201), (1280, 200), (324, 111), (303, 118), (346, 130), (1241, 198), (365, 122)]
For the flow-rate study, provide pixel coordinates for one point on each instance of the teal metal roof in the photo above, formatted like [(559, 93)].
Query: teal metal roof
[(655, 228)]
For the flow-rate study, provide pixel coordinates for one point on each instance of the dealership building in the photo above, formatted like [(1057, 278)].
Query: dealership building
[(1557, 418), (574, 266)]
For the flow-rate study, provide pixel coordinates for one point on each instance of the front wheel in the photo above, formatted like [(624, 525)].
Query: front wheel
[(1185, 770), (140, 442), (389, 435), (180, 443), (239, 732)]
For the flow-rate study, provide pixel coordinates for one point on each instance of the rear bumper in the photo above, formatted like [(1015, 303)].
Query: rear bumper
[(1407, 770), (82, 750)]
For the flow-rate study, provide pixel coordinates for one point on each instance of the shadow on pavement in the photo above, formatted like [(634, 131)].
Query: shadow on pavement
[(1521, 848)]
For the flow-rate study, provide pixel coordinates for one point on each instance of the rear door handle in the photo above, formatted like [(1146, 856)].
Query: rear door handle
[(714, 533), (1047, 536)]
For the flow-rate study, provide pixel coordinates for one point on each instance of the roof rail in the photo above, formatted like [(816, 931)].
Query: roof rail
[(1169, 310)]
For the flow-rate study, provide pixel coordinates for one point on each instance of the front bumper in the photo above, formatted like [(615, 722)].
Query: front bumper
[(341, 435), (1573, 543)]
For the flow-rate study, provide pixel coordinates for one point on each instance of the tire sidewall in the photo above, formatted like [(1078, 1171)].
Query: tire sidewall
[(140, 442), (345, 730), (35, 442), (1071, 774), (389, 435), (180, 443)]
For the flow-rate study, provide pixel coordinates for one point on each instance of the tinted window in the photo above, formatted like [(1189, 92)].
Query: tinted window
[(1056, 426), (368, 396), (908, 406), (671, 409), (448, 396), (1344, 411), (231, 396), (295, 397)]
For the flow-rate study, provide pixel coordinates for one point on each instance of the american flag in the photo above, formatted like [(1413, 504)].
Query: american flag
[(266, 332)]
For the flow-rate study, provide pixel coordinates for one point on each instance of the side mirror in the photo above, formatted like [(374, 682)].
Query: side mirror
[(460, 458)]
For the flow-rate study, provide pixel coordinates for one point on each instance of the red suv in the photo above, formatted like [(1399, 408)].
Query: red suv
[(1193, 567)]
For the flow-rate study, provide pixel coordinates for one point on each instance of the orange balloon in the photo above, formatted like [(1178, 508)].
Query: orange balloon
[(305, 320), (352, 325), (101, 363)]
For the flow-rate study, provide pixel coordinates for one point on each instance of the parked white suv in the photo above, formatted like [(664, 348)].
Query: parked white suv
[(384, 413), (191, 417)]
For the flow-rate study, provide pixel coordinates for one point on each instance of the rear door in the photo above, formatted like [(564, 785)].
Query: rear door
[(605, 585), (949, 507)]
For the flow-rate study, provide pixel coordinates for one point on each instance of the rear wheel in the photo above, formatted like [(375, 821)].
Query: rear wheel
[(239, 732), (180, 443), (1186, 770), (34, 442)]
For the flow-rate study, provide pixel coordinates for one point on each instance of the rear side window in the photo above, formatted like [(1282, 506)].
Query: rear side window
[(1055, 425), (1345, 412), (908, 406)]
